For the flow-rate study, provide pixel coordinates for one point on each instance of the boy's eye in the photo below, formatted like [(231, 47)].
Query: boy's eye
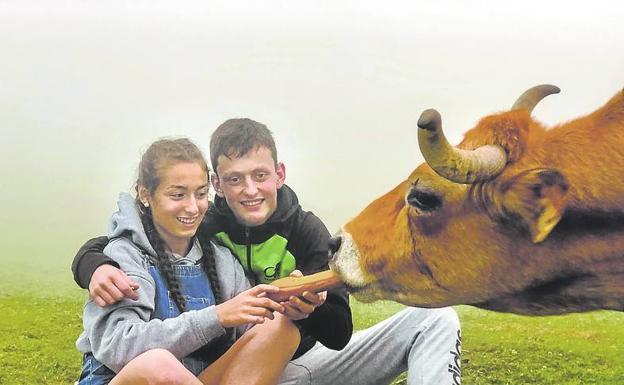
[(261, 176), (233, 180)]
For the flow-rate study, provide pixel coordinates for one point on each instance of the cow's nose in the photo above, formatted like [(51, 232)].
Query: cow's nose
[(334, 244)]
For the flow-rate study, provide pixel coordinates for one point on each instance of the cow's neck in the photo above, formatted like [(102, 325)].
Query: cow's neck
[(576, 222), (577, 268)]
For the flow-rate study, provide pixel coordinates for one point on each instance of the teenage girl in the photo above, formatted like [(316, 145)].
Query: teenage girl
[(196, 320)]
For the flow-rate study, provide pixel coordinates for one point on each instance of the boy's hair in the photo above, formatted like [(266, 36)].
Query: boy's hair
[(236, 137)]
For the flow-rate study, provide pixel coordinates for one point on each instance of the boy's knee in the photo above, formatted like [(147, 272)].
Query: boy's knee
[(442, 319), (160, 367), (448, 318)]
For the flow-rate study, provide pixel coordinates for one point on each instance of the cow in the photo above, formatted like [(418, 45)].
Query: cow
[(517, 218)]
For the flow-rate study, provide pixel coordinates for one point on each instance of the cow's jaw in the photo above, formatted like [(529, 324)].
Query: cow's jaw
[(346, 263), (366, 286)]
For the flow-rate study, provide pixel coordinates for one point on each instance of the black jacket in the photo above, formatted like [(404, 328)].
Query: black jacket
[(305, 238)]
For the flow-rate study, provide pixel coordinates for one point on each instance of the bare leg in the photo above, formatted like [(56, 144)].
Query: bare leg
[(258, 357), (155, 367)]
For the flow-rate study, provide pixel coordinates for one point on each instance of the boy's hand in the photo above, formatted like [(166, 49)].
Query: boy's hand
[(109, 285), (297, 308)]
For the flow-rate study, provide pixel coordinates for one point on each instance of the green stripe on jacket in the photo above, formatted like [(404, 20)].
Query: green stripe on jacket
[(270, 259)]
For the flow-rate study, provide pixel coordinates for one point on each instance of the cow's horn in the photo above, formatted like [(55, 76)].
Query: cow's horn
[(529, 99), (455, 164)]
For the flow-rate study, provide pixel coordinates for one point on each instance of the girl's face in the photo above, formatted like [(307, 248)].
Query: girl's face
[(179, 203)]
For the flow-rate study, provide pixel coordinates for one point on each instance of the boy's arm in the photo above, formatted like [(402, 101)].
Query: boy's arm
[(100, 274), (88, 259), (331, 323)]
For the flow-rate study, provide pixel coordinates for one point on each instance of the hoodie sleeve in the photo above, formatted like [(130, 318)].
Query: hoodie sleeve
[(331, 323), (88, 259), (120, 332), (232, 279)]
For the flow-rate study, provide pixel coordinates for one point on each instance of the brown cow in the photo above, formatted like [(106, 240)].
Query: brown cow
[(516, 219)]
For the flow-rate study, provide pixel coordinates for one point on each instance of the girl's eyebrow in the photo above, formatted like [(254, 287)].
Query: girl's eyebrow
[(182, 187)]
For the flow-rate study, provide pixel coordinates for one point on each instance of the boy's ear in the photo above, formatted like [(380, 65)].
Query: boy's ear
[(281, 174), (216, 183), (535, 200)]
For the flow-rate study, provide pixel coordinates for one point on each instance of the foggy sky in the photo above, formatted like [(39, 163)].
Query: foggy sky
[(85, 86)]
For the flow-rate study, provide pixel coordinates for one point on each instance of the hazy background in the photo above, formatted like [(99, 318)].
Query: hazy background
[(85, 86)]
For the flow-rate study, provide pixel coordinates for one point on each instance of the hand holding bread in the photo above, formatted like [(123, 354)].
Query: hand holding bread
[(296, 286)]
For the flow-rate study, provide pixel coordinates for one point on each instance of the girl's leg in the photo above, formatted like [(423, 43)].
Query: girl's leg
[(155, 367), (258, 357)]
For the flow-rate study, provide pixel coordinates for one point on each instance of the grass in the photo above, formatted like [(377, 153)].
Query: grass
[(571, 349), (37, 335), (505, 349), (37, 340)]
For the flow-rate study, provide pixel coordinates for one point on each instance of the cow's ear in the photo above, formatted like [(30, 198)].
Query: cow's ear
[(537, 198)]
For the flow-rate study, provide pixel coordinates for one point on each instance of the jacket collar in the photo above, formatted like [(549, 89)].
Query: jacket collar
[(221, 218)]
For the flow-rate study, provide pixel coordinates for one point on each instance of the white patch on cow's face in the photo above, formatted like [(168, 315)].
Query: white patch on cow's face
[(346, 262)]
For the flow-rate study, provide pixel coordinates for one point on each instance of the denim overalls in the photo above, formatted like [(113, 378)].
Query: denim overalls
[(196, 289)]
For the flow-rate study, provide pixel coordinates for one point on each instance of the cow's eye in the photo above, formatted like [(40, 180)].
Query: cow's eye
[(423, 200)]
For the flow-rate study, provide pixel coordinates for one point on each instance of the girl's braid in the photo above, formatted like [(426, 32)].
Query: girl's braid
[(161, 154), (162, 259), (209, 265)]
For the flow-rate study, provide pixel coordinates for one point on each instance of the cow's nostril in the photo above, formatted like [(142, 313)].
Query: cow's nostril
[(334, 244)]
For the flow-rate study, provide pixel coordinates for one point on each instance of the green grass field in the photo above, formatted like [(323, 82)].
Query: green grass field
[(38, 332)]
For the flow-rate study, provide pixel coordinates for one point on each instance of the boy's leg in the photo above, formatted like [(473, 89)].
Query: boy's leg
[(425, 342)]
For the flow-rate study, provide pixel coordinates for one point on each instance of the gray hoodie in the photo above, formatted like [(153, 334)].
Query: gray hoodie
[(117, 333)]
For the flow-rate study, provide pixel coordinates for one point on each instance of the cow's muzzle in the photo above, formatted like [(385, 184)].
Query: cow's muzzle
[(334, 245)]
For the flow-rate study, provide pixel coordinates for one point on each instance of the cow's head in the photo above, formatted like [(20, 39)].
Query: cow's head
[(459, 229)]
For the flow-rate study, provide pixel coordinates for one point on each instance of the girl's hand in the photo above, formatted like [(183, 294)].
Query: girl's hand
[(249, 307)]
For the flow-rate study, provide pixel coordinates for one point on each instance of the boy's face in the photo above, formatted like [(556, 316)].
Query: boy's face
[(249, 185)]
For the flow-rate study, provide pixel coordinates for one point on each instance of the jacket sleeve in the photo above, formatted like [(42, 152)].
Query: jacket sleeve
[(117, 333), (88, 259), (232, 278), (331, 323)]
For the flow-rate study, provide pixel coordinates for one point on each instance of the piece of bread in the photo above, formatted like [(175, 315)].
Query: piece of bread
[(314, 283)]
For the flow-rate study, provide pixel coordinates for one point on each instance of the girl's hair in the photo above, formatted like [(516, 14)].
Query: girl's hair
[(159, 156)]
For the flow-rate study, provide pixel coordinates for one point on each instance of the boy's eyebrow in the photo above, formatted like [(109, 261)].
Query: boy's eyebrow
[(261, 167), (227, 174)]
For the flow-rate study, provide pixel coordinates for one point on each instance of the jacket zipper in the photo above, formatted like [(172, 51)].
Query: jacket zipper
[(248, 244)]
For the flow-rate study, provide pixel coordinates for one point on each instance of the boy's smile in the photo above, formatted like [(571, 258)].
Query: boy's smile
[(249, 184)]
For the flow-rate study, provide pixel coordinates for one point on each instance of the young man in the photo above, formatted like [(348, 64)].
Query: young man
[(259, 218)]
